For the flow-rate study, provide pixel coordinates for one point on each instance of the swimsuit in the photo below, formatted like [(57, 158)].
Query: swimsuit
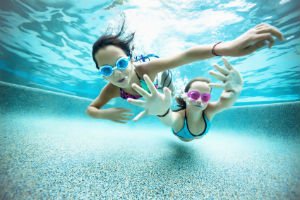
[(126, 95), (141, 58), (186, 134)]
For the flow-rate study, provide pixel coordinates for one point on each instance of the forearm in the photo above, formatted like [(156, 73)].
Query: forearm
[(97, 113), (168, 119), (228, 98), (206, 51)]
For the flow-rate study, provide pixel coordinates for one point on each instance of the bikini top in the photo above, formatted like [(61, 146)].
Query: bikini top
[(185, 133), (126, 95), (141, 58)]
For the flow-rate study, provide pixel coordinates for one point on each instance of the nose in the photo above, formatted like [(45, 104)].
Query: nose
[(199, 101), (117, 74)]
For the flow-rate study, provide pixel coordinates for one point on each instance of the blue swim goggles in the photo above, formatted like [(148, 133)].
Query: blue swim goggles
[(121, 64)]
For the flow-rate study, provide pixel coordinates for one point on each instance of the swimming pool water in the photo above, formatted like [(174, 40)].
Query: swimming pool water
[(47, 44)]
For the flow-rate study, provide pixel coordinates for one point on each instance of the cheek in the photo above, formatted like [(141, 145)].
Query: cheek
[(204, 103), (129, 68), (188, 101), (128, 72), (111, 80)]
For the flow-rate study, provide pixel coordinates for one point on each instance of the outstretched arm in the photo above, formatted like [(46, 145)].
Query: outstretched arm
[(232, 85), (95, 110), (245, 44)]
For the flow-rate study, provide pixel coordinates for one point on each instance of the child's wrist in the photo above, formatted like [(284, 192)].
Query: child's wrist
[(163, 115), (221, 49), (213, 50)]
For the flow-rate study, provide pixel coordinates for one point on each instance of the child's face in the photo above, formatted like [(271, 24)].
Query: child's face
[(108, 56), (202, 88)]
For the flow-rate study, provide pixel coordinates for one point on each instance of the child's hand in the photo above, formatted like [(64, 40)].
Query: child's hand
[(250, 41), (155, 103), (231, 78), (119, 115)]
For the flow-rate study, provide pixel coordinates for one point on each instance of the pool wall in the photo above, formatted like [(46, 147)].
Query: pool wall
[(276, 119)]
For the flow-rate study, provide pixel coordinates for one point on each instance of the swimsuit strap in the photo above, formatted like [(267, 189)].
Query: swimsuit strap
[(137, 74), (143, 58)]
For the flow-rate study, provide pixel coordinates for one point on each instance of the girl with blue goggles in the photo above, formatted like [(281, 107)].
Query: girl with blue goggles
[(111, 47), (121, 64)]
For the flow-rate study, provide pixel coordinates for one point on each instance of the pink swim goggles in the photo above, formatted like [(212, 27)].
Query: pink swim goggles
[(195, 95)]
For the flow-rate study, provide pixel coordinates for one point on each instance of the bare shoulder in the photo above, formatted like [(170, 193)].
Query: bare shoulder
[(178, 119), (211, 110), (145, 68), (179, 113)]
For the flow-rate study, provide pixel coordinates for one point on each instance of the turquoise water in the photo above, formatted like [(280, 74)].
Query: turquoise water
[(50, 149), (48, 44)]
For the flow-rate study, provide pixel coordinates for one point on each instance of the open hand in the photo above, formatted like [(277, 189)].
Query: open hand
[(119, 115), (154, 103), (231, 78), (252, 40)]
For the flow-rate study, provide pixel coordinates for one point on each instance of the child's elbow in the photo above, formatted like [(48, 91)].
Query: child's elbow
[(88, 111)]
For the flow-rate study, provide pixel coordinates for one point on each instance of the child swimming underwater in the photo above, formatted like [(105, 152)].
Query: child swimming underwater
[(113, 57), (193, 119)]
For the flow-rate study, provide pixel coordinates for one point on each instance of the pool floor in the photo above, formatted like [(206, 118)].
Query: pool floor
[(61, 158)]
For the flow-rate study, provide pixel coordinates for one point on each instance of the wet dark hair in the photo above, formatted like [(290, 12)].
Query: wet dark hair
[(115, 40), (180, 102)]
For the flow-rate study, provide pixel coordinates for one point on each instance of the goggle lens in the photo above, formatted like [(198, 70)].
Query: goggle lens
[(121, 64), (106, 70), (195, 95), (205, 97)]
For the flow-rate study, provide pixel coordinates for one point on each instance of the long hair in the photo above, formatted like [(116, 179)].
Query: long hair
[(180, 102), (116, 40)]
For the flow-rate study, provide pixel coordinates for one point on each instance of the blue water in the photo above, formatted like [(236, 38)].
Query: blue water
[(50, 149), (48, 44)]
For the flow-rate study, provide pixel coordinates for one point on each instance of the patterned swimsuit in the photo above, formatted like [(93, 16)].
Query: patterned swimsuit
[(141, 58), (126, 95)]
